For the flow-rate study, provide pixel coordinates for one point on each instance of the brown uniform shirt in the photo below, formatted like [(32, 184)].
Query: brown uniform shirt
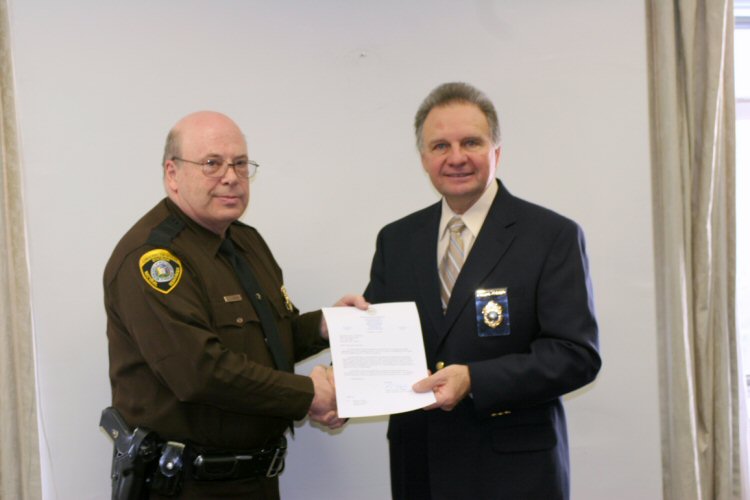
[(192, 364)]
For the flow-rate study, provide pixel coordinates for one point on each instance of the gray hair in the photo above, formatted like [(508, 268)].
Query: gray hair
[(171, 147), (457, 92)]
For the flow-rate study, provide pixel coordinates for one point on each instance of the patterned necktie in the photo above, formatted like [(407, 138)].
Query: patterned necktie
[(452, 260)]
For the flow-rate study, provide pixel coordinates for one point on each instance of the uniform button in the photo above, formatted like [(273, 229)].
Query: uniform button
[(258, 296), (239, 321), (440, 365)]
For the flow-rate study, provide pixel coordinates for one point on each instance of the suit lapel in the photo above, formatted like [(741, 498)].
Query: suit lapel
[(423, 249), (493, 241)]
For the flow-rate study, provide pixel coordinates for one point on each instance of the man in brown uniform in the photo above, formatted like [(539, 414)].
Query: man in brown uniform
[(191, 357)]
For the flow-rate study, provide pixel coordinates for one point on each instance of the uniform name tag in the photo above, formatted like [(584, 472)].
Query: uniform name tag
[(493, 317)]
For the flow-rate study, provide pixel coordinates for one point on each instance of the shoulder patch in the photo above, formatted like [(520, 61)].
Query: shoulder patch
[(161, 269)]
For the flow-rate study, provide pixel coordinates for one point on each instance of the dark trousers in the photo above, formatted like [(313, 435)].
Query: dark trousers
[(410, 479), (246, 489)]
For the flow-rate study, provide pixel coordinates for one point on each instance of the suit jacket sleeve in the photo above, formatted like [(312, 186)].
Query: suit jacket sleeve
[(562, 354)]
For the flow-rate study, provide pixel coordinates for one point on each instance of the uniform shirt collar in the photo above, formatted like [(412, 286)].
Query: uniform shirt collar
[(238, 242), (207, 239)]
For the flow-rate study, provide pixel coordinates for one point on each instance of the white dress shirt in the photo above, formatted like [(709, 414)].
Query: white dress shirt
[(473, 219)]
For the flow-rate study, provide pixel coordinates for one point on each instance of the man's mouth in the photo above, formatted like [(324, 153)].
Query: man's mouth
[(227, 197)]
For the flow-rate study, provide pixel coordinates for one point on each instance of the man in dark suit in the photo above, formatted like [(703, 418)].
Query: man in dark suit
[(507, 314)]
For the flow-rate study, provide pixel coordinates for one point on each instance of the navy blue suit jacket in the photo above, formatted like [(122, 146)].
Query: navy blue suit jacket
[(508, 439)]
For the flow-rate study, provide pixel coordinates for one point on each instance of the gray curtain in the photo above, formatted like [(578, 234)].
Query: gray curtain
[(19, 445), (691, 87)]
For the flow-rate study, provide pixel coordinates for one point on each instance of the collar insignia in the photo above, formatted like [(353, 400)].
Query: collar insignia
[(287, 300)]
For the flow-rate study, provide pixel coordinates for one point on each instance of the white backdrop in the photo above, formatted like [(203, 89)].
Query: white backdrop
[(326, 92)]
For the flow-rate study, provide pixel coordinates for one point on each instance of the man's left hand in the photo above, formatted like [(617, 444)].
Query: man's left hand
[(450, 385), (357, 301)]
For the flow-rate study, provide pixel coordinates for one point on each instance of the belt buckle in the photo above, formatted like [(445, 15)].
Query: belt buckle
[(277, 463)]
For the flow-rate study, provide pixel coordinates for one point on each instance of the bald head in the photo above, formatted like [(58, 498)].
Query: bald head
[(200, 122), (212, 201)]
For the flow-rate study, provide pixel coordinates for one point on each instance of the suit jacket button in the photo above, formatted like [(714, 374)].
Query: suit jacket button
[(440, 365)]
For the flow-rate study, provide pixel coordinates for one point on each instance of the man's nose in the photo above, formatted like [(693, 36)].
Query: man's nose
[(456, 156), (230, 176)]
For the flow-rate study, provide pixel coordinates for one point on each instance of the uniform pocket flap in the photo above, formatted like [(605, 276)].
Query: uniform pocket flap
[(234, 314)]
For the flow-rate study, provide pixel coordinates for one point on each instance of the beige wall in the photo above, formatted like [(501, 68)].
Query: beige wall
[(326, 92)]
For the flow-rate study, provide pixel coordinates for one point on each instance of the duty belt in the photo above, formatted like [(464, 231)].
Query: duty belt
[(263, 462)]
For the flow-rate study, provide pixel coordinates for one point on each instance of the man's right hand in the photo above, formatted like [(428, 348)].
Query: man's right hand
[(323, 407)]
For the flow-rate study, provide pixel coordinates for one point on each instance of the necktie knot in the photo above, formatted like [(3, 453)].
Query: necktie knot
[(456, 225), (227, 248)]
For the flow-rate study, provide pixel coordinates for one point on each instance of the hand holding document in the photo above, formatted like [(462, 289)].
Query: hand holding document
[(378, 355)]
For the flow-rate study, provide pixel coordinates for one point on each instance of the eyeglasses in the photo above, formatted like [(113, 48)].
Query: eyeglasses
[(217, 167)]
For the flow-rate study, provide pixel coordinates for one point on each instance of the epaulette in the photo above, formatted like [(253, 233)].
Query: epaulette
[(163, 234)]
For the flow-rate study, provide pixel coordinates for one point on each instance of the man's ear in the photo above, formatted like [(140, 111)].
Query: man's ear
[(170, 175)]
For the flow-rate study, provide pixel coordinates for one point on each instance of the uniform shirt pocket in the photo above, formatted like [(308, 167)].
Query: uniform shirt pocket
[(230, 319), (233, 314)]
